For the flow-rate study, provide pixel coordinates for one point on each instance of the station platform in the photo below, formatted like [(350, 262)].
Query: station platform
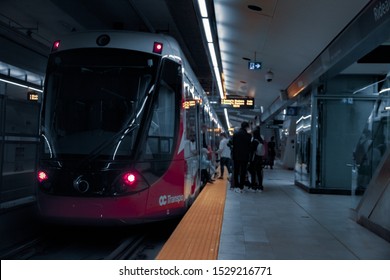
[(283, 222)]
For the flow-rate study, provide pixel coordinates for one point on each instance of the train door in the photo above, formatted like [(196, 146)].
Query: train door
[(193, 145), (198, 147)]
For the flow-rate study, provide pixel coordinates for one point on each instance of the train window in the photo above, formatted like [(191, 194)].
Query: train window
[(165, 114), (92, 96), (161, 130)]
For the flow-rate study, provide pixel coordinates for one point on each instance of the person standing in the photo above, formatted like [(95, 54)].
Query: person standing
[(241, 153), (256, 165), (225, 155), (203, 133), (271, 152), (206, 168)]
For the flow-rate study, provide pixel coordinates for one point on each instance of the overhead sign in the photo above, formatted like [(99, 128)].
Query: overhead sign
[(191, 103), (254, 65), (238, 102)]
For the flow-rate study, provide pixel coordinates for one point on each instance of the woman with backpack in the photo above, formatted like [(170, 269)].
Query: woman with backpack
[(256, 164)]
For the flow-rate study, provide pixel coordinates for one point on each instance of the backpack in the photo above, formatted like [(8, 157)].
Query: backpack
[(260, 151)]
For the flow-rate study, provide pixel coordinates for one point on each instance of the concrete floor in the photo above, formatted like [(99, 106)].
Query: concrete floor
[(285, 222)]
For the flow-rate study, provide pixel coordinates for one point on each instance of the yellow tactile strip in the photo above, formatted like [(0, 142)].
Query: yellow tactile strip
[(198, 234)]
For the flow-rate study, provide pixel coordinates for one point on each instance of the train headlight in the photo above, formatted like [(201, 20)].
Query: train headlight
[(56, 45), (129, 182), (43, 180), (42, 176), (129, 179)]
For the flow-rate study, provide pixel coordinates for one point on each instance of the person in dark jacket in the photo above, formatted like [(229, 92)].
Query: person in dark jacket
[(256, 164), (271, 152), (241, 154)]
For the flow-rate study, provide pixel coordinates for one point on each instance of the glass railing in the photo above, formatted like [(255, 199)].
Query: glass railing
[(374, 140)]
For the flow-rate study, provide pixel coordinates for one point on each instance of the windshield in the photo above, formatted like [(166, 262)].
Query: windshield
[(94, 99)]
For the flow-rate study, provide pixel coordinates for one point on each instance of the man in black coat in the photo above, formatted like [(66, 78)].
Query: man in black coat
[(241, 153)]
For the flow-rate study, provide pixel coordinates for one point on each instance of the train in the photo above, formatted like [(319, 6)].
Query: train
[(120, 113)]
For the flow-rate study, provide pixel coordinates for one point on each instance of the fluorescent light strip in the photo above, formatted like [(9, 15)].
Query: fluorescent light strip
[(216, 69), (213, 55), (207, 30), (227, 118), (202, 8), (219, 82), (209, 38), (20, 85), (303, 118), (384, 90), (303, 127)]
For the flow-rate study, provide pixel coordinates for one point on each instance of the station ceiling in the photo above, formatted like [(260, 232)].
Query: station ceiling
[(284, 36)]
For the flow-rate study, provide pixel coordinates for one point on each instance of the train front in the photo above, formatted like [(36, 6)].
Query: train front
[(102, 144)]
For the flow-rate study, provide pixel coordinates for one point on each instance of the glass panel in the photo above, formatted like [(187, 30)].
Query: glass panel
[(19, 157), (164, 122), (94, 101), (303, 144), (343, 109), (21, 118), (1, 135), (374, 140), (18, 174)]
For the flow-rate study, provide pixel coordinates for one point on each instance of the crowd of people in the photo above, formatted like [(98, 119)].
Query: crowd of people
[(243, 157)]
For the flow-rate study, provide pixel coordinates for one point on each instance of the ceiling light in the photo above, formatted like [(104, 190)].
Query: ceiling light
[(209, 38), (213, 55), (245, 58), (219, 82), (207, 30), (227, 117), (20, 85), (202, 8)]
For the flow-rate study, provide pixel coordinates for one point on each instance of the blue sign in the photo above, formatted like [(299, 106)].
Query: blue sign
[(254, 65)]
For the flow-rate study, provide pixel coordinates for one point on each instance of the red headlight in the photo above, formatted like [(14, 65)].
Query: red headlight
[(42, 176), (129, 179), (129, 182), (157, 47), (56, 45)]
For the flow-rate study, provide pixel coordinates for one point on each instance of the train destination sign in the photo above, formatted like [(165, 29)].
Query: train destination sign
[(32, 96), (239, 102), (191, 103)]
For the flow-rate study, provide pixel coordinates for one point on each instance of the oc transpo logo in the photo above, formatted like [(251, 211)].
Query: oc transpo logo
[(169, 199)]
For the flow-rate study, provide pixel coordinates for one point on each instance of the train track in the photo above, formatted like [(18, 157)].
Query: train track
[(77, 243), (128, 249)]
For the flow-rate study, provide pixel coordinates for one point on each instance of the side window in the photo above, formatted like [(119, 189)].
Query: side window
[(165, 114)]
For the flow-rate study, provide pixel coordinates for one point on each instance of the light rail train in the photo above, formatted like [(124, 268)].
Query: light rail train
[(118, 113)]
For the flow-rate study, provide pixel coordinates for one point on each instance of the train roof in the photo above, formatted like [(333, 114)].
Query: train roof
[(139, 41)]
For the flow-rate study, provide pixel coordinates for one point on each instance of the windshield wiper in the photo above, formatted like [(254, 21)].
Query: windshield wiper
[(131, 125), (96, 152)]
